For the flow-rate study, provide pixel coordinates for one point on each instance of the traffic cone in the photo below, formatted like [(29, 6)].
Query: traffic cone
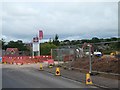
[(5, 63), (50, 66), (57, 73), (88, 79), (11, 63), (41, 66)]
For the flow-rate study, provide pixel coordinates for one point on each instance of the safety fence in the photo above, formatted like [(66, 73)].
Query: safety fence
[(63, 54), (100, 57), (25, 59)]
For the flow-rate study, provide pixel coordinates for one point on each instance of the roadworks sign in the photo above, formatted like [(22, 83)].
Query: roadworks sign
[(57, 73), (88, 79), (41, 66)]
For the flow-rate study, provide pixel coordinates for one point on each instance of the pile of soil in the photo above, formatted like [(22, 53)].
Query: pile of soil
[(103, 64)]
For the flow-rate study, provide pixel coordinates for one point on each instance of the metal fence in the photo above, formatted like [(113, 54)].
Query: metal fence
[(69, 53), (63, 54)]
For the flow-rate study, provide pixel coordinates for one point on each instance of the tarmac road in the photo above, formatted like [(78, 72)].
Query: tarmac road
[(14, 76)]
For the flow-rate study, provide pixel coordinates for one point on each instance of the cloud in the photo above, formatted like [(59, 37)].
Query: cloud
[(0, 20), (68, 20), (61, 0)]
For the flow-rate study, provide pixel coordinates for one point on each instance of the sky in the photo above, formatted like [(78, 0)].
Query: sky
[(70, 20)]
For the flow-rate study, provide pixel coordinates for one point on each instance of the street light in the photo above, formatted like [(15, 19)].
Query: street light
[(90, 59)]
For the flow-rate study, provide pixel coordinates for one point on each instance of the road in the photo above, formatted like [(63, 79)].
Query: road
[(14, 76)]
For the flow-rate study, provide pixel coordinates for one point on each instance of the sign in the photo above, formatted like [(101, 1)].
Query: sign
[(35, 46), (40, 34), (12, 51), (35, 39)]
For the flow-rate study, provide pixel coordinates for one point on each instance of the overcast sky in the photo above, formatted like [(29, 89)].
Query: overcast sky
[(70, 20)]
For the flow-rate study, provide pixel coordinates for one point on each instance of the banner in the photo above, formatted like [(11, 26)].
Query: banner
[(40, 34)]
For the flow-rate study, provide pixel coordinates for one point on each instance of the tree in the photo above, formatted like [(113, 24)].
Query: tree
[(85, 41), (73, 42), (113, 39), (56, 41), (107, 40), (50, 41), (56, 37), (95, 40), (3, 43), (102, 40), (46, 48), (66, 42), (17, 44)]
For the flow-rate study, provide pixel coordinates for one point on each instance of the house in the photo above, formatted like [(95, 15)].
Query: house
[(12, 52)]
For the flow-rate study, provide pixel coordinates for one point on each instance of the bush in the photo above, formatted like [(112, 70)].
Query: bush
[(46, 48)]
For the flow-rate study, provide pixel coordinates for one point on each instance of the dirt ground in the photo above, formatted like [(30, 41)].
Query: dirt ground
[(104, 64)]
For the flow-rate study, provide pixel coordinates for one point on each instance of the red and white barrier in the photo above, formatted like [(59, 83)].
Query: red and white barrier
[(20, 60)]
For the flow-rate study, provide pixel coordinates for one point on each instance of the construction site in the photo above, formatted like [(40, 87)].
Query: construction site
[(59, 44)]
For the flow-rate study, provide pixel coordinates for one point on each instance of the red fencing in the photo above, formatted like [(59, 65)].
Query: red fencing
[(25, 59)]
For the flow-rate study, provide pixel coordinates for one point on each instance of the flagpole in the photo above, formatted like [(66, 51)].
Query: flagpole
[(39, 48), (39, 45)]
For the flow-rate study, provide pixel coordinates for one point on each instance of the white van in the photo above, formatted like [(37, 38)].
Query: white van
[(98, 54)]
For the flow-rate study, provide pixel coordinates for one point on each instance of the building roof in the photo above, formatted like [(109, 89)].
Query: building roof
[(12, 49)]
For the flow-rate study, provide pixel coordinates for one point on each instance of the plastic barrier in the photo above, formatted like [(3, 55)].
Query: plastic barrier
[(20, 60), (50, 61)]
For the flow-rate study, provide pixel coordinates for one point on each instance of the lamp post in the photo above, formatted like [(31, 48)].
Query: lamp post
[(90, 59)]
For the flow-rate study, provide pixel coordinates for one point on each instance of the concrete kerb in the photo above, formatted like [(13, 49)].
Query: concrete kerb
[(79, 80)]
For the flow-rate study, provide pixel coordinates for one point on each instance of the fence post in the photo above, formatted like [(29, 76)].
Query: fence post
[(58, 56), (51, 53)]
